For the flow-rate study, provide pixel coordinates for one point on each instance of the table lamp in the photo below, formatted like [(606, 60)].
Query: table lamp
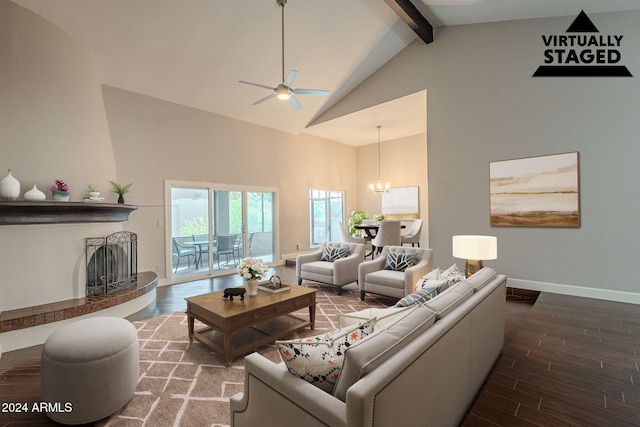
[(475, 249)]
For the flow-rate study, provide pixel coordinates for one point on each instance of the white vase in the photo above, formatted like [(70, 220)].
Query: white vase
[(252, 287), (9, 187), (34, 194)]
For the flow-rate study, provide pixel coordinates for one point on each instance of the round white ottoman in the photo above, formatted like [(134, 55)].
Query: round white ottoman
[(89, 369)]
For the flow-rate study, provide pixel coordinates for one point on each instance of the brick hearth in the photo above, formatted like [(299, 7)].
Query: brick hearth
[(48, 313)]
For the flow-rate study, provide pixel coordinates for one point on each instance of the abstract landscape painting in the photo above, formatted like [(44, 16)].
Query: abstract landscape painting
[(535, 191)]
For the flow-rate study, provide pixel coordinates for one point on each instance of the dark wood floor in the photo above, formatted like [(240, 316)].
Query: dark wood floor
[(567, 361)]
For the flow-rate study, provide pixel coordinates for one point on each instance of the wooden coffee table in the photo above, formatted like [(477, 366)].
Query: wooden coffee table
[(240, 326)]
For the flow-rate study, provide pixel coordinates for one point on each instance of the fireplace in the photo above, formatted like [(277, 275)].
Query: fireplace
[(112, 262)]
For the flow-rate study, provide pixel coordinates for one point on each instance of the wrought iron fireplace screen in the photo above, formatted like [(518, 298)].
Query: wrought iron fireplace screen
[(112, 262)]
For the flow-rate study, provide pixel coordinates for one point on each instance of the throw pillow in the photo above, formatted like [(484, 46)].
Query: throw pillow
[(438, 284), (331, 254), (434, 275), (318, 360), (420, 297), (452, 275), (400, 261)]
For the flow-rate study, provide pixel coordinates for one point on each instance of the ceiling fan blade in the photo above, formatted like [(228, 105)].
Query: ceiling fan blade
[(310, 92), (291, 77), (256, 84), (266, 98), (295, 103)]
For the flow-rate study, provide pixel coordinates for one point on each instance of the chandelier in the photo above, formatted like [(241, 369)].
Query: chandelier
[(379, 188)]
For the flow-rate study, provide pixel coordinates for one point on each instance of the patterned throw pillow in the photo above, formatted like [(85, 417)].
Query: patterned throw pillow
[(318, 360), (452, 275), (331, 254), (423, 295), (433, 275), (400, 261)]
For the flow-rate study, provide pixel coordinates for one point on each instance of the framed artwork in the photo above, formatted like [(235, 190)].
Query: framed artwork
[(541, 191), (401, 203)]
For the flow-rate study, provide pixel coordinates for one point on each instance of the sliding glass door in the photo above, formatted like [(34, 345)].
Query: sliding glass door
[(214, 226)]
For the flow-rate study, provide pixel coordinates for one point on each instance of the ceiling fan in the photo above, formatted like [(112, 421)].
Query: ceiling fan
[(284, 90)]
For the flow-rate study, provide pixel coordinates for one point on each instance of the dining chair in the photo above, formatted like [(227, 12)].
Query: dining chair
[(388, 234), (225, 246), (346, 237), (412, 235), (180, 251)]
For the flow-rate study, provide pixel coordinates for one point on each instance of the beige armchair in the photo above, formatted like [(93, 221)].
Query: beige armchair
[(338, 272), (373, 278)]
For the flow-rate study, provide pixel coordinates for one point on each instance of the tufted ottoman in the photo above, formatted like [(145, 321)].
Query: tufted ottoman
[(89, 369)]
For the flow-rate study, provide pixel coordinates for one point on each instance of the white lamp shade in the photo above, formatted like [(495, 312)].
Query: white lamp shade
[(475, 247)]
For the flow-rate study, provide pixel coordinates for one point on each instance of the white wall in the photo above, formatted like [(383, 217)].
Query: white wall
[(485, 106), (52, 125)]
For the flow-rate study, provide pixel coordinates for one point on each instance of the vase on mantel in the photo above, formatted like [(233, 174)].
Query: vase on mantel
[(9, 187), (34, 194), (61, 196), (252, 287)]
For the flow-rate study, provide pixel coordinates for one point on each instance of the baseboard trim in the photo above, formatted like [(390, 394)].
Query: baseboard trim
[(293, 255), (578, 291)]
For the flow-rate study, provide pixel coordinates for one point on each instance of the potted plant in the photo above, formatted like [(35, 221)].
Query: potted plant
[(252, 270), (93, 191), (60, 190), (356, 218), (121, 190)]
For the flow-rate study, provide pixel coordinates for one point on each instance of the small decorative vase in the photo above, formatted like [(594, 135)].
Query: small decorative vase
[(252, 287), (94, 194), (9, 187), (61, 196), (34, 194), (120, 198)]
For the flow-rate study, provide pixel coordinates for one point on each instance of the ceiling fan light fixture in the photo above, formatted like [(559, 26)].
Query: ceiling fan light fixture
[(283, 92)]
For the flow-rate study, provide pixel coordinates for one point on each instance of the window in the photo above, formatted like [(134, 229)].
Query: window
[(326, 210)]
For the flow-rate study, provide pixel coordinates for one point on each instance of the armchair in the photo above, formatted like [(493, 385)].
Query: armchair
[(339, 272), (373, 278)]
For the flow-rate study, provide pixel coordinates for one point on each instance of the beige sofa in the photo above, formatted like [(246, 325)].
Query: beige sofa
[(338, 273), (424, 369)]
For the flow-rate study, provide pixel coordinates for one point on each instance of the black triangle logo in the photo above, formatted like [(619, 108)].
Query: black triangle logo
[(582, 24)]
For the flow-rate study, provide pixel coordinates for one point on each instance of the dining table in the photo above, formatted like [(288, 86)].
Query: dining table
[(198, 244)]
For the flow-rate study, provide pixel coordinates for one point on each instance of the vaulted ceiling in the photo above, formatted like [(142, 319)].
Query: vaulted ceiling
[(193, 52)]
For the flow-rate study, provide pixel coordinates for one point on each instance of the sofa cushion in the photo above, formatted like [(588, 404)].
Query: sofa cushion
[(452, 275), (388, 278), (446, 302), (318, 360), (385, 317), (318, 267), (481, 277), (332, 253), (400, 261), (372, 351)]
